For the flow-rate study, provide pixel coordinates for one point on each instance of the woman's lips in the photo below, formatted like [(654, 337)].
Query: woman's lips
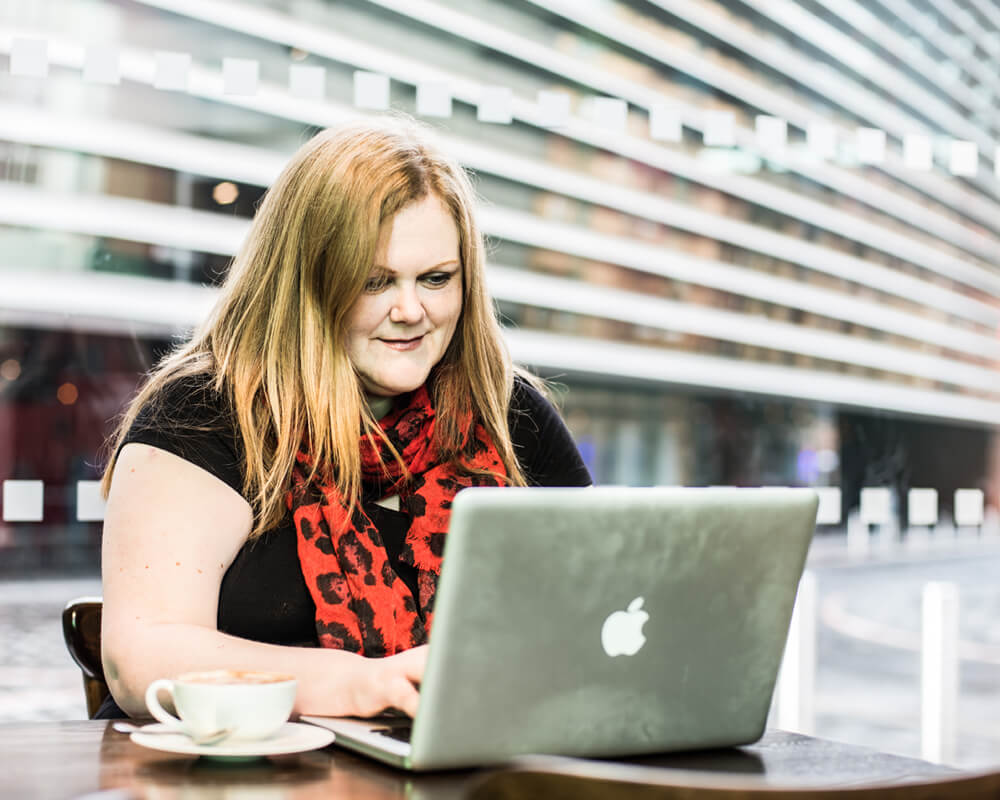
[(403, 344)]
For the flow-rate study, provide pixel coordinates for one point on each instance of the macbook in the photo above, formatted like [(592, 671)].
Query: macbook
[(601, 622)]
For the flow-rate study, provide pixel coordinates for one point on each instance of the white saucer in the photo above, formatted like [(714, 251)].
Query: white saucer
[(292, 737)]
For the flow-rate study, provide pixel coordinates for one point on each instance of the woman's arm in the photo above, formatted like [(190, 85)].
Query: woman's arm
[(171, 531)]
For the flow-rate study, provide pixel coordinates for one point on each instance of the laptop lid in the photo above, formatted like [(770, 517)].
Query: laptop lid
[(607, 621)]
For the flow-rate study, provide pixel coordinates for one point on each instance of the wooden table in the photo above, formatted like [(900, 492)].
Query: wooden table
[(63, 760)]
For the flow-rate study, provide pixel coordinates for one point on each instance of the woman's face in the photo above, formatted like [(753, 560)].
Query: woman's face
[(402, 323)]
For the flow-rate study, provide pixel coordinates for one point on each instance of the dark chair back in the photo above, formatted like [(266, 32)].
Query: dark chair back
[(82, 631)]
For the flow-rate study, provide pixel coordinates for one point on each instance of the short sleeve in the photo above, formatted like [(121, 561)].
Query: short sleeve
[(543, 444), (189, 419)]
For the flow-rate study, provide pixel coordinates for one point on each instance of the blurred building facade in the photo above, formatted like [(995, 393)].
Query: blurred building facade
[(719, 306)]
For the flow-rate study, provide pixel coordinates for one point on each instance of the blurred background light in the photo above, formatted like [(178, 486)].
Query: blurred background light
[(225, 193)]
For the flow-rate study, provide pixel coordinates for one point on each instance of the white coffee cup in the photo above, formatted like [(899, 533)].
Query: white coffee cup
[(252, 705)]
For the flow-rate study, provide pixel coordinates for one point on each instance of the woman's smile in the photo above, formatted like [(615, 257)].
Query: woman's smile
[(403, 344)]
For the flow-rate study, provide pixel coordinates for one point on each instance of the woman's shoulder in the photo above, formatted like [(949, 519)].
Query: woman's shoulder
[(528, 398), (187, 403), (532, 415), (542, 442), (188, 417)]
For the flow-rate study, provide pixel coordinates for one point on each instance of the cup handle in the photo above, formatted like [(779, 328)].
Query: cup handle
[(153, 704)]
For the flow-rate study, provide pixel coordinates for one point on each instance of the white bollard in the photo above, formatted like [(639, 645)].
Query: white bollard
[(23, 501), (923, 513), (876, 505), (969, 512), (923, 507), (876, 509), (939, 672), (797, 679), (828, 511), (90, 505)]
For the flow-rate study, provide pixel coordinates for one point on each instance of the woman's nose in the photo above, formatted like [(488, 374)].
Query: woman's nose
[(406, 307)]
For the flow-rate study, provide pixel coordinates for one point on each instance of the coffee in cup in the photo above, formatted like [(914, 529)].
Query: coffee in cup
[(251, 704)]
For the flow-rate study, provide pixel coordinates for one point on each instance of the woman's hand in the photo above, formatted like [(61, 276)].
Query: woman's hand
[(390, 682)]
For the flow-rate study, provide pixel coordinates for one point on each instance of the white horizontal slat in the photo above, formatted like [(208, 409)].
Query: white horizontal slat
[(205, 231), (258, 166), (877, 111), (907, 51), (130, 302), (580, 356), (122, 218), (102, 302), (840, 180), (990, 11), (835, 85), (847, 50), (207, 84), (544, 57), (143, 144), (946, 45), (964, 21), (277, 27), (529, 229), (871, 25), (143, 303), (562, 294)]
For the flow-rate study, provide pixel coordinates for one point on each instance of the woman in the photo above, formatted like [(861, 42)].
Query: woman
[(284, 480)]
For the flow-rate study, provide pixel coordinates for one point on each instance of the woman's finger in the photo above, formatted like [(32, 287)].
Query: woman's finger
[(413, 662), (404, 695)]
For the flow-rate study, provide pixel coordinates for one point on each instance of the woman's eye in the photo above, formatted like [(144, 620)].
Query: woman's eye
[(376, 284), (437, 279)]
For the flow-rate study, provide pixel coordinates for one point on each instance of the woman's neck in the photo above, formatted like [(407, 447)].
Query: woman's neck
[(380, 406)]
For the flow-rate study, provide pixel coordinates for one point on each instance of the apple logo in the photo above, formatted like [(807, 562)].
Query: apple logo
[(621, 633)]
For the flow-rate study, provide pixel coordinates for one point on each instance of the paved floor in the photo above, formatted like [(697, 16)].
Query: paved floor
[(868, 663), (38, 680), (868, 655)]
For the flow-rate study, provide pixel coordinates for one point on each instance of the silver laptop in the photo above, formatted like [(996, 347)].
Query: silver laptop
[(601, 622)]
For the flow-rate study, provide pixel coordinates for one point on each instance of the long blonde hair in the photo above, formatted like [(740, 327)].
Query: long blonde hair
[(275, 343)]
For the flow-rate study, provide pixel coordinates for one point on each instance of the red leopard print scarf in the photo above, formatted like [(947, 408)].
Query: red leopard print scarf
[(362, 605)]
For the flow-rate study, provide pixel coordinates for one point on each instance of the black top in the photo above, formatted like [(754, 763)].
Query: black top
[(263, 596)]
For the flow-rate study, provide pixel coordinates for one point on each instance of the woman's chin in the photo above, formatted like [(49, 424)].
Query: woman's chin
[(395, 387)]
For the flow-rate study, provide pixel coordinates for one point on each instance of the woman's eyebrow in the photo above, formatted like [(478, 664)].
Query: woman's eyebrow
[(449, 262)]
